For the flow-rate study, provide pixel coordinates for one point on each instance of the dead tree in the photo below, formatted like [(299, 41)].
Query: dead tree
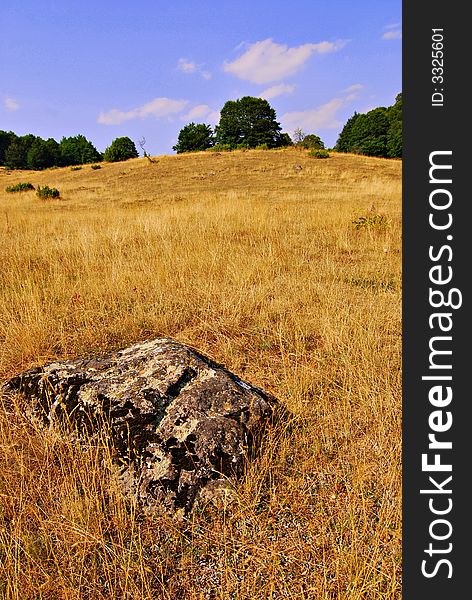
[(142, 143)]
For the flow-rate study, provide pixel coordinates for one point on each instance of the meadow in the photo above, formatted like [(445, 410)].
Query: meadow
[(284, 268)]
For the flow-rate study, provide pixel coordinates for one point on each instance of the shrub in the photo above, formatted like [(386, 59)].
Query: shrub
[(318, 153), (75, 168), (262, 147), (221, 148), (378, 221), (96, 167), (20, 187), (47, 192)]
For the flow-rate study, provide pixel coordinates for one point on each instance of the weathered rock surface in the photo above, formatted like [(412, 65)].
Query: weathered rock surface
[(181, 424)]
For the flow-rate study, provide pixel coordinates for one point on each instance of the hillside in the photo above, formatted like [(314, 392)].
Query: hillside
[(282, 267)]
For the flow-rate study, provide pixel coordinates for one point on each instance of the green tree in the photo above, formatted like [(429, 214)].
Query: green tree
[(16, 155), (120, 149), (375, 133), (369, 133), (312, 142), (395, 133), (194, 137), (43, 154), (285, 140), (78, 150), (248, 122), (6, 138), (343, 143)]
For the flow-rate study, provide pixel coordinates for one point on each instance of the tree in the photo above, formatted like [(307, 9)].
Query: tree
[(375, 133), (248, 122), (344, 140), (121, 148), (312, 142), (43, 154), (394, 133), (369, 133), (6, 138), (78, 150), (298, 136), (142, 143), (16, 155), (285, 140), (194, 137)]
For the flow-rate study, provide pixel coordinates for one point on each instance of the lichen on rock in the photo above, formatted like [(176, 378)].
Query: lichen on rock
[(181, 425)]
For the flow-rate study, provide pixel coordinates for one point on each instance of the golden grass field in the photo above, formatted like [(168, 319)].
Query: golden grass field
[(258, 265)]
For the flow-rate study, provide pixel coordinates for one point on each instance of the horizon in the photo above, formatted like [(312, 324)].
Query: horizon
[(111, 70)]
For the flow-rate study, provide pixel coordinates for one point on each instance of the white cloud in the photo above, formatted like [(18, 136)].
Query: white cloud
[(392, 35), (394, 32), (321, 117), (267, 61), (277, 90), (158, 108), (11, 104), (187, 66), (202, 112), (354, 88)]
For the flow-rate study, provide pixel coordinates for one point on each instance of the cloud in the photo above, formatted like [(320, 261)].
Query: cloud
[(321, 117), (267, 61), (202, 112), (394, 32), (11, 104), (354, 88), (277, 90), (187, 66), (158, 108)]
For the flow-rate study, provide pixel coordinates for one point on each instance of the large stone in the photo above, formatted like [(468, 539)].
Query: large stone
[(181, 424)]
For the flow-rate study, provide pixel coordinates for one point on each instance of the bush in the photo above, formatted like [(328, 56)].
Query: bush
[(318, 153), (94, 167), (75, 168), (221, 148), (262, 147), (47, 192), (378, 221), (20, 187)]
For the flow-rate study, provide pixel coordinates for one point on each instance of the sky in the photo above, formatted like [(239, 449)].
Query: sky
[(145, 69)]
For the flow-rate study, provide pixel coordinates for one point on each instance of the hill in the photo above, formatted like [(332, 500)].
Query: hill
[(282, 267)]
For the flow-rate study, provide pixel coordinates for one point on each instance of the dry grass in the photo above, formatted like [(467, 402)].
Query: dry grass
[(258, 265)]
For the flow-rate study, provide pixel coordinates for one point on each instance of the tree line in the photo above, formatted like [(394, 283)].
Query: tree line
[(33, 152), (375, 133), (251, 123), (244, 123)]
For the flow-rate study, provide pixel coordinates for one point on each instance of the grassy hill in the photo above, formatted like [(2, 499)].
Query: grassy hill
[(286, 269)]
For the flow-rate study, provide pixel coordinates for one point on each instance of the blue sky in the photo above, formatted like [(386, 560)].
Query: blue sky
[(147, 68)]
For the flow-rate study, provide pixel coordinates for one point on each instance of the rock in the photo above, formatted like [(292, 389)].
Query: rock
[(297, 167), (181, 424)]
